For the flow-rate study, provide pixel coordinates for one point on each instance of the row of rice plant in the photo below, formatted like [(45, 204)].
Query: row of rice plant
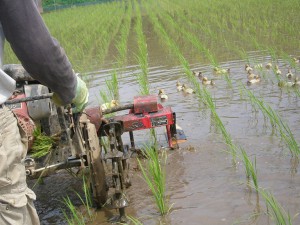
[(85, 45), (77, 217), (250, 167), (142, 55), (121, 45), (234, 30), (276, 122)]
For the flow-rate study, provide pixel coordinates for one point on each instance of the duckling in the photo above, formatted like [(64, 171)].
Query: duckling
[(187, 90), (284, 83), (178, 86), (258, 66), (254, 80), (268, 66), (205, 81), (162, 94), (277, 70), (289, 74), (296, 60), (198, 74), (297, 82), (248, 68), (109, 105), (251, 76), (221, 71)]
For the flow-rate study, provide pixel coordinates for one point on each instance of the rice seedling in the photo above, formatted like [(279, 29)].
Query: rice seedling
[(274, 209), (77, 217), (134, 221), (42, 144), (250, 167), (155, 176), (277, 123), (142, 56)]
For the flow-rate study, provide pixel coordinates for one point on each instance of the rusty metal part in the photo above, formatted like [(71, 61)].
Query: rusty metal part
[(33, 172), (27, 99), (94, 160)]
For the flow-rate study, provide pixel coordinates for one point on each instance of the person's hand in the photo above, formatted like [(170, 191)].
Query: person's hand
[(81, 97)]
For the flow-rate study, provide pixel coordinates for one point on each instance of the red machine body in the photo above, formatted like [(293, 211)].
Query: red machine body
[(146, 114), (24, 120)]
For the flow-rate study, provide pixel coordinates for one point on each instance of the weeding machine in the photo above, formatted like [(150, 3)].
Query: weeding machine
[(78, 144)]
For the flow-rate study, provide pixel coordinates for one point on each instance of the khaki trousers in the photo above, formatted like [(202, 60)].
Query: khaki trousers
[(16, 199)]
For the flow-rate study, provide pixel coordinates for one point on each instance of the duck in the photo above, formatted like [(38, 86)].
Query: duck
[(289, 74), (268, 66), (251, 76), (162, 94), (258, 66), (296, 60), (109, 105), (221, 71), (254, 80), (284, 83), (187, 89), (178, 86), (277, 70), (198, 74), (297, 82), (205, 81), (248, 68)]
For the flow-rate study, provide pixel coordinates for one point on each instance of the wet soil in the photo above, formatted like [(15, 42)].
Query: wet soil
[(203, 184)]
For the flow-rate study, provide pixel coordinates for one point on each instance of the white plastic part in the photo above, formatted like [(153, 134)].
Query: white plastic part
[(7, 86)]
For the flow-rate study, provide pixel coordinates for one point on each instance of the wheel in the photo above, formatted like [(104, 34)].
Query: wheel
[(97, 172)]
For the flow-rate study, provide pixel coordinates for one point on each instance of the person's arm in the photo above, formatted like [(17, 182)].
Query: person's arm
[(39, 53)]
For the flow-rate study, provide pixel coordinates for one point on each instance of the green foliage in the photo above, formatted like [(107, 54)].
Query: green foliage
[(155, 176), (42, 144)]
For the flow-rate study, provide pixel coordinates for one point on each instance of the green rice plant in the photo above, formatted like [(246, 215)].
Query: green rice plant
[(142, 56), (250, 167), (275, 210), (277, 123), (134, 221), (42, 144), (76, 218), (155, 176), (113, 85)]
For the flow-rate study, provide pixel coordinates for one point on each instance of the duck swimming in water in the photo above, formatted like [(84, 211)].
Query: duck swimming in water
[(251, 76), (248, 68), (162, 94), (269, 66), (258, 66), (284, 83), (178, 86), (277, 70), (205, 81), (198, 74), (289, 74), (187, 90), (253, 80), (218, 70)]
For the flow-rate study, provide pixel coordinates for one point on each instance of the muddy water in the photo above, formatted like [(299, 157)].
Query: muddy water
[(203, 185)]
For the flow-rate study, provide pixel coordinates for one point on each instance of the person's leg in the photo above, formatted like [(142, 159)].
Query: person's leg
[(16, 199)]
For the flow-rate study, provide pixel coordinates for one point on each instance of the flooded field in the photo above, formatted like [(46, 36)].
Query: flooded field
[(205, 183)]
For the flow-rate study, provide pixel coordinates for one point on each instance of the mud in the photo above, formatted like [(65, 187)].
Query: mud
[(203, 184)]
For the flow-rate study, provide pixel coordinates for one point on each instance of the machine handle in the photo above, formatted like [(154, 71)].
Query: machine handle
[(117, 108)]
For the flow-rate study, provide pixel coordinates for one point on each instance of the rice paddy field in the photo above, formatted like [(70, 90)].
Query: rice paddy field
[(240, 162)]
